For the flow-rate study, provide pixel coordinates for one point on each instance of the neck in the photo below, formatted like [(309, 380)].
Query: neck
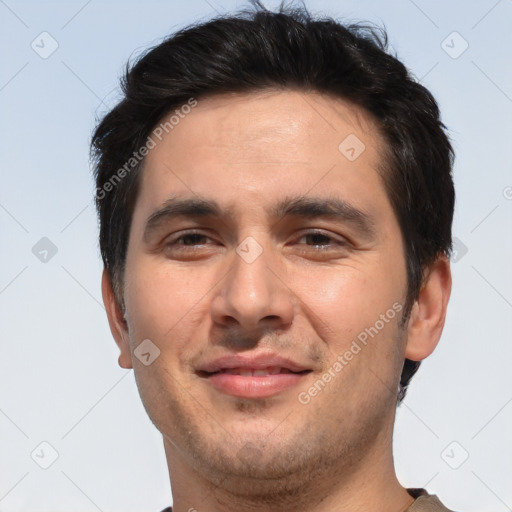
[(366, 482)]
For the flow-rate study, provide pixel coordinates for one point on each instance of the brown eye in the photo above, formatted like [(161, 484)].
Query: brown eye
[(322, 240), (189, 246), (191, 239), (316, 239)]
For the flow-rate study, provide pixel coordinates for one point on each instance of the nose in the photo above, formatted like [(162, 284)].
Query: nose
[(254, 295)]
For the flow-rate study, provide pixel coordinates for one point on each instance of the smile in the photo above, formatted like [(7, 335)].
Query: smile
[(245, 382)]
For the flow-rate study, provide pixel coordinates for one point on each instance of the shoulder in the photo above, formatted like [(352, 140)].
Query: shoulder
[(425, 502)]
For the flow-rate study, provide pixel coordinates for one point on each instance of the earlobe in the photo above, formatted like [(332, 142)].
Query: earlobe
[(125, 357), (429, 311), (118, 326)]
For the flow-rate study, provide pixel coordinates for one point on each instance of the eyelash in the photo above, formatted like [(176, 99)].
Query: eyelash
[(342, 243)]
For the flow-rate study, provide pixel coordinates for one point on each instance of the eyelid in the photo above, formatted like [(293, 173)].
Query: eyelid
[(186, 232), (328, 234), (308, 231)]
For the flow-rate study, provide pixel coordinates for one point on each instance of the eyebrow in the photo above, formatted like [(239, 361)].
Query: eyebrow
[(182, 207), (329, 208), (299, 206)]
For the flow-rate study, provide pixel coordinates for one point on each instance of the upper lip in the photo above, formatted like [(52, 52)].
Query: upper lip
[(253, 362)]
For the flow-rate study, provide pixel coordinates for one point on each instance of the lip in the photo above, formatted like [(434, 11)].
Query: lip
[(253, 386), (252, 361)]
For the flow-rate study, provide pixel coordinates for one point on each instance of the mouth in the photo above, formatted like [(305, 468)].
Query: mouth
[(253, 381)]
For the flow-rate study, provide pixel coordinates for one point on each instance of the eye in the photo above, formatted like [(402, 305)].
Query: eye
[(189, 239), (322, 240), (189, 245)]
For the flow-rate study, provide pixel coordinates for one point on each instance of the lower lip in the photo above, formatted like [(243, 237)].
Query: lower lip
[(254, 386)]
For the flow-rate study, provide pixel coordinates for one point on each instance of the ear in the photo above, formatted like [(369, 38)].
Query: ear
[(429, 311), (118, 325)]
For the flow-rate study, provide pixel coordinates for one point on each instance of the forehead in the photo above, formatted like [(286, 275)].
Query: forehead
[(270, 121), (253, 144)]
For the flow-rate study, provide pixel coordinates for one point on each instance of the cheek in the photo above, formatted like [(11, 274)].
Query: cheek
[(348, 298), (161, 300), (355, 310)]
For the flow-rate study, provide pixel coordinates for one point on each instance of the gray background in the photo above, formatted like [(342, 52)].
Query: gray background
[(59, 379)]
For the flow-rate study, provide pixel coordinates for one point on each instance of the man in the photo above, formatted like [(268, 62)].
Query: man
[(275, 201)]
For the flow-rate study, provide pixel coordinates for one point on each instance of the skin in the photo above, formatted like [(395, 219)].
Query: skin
[(305, 297)]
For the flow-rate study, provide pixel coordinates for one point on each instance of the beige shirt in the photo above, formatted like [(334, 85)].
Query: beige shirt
[(425, 502)]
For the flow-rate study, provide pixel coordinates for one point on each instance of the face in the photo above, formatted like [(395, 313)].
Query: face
[(266, 266)]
